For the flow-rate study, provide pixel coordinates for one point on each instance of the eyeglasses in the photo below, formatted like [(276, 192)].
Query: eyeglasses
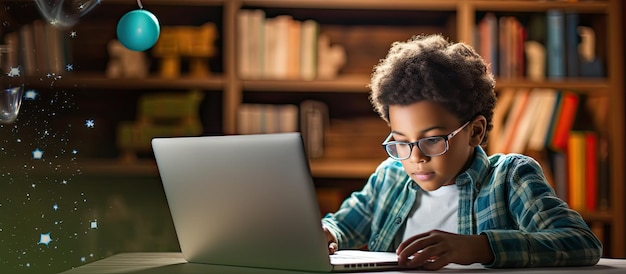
[(429, 146)]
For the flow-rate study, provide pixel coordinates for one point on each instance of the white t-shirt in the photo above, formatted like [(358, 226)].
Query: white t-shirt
[(437, 209)]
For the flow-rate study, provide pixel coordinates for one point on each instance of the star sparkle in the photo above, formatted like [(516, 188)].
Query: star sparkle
[(37, 154), (45, 238), (14, 72), (30, 94)]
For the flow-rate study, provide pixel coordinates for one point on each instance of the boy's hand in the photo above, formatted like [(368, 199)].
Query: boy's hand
[(332, 242), (434, 250)]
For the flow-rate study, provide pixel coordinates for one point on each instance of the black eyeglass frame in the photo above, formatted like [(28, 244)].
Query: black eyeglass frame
[(446, 138)]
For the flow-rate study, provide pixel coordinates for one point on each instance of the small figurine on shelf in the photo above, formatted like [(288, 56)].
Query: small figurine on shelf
[(194, 43), (125, 63), (330, 58), (159, 115)]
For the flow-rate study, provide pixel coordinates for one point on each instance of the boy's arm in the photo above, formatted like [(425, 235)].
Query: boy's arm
[(350, 225), (549, 233)]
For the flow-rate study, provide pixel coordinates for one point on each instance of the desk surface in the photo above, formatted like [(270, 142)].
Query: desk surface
[(172, 263)]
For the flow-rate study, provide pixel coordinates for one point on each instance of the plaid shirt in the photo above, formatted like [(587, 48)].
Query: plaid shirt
[(505, 197)]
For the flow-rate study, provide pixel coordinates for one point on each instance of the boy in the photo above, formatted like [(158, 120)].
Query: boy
[(438, 197)]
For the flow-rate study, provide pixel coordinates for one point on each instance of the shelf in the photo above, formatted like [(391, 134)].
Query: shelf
[(343, 168), (344, 83), (357, 4), (347, 83), (336, 168), (102, 82), (540, 6), (588, 85), (170, 2)]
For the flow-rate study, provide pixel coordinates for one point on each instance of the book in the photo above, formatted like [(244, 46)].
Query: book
[(527, 122), (576, 164), (571, 44), (487, 41), (267, 118), (313, 123), (256, 28), (591, 171), (545, 111), (280, 52), (503, 105), (564, 120), (560, 174), (604, 189), (513, 118), (293, 49), (308, 51), (244, 48), (504, 47), (555, 48)]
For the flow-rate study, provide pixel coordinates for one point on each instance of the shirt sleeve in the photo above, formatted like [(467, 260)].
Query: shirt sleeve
[(350, 224), (547, 232)]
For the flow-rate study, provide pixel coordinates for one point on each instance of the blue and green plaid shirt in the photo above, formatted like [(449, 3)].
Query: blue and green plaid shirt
[(505, 197)]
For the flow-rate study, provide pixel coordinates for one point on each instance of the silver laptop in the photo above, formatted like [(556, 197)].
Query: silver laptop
[(249, 200)]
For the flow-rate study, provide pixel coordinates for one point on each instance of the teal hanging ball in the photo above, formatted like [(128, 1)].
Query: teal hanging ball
[(138, 30)]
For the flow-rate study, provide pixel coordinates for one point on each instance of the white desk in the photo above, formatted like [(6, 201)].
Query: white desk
[(173, 263)]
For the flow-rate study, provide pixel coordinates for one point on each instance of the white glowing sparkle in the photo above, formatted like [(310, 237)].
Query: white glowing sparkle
[(30, 94), (89, 123), (73, 34), (45, 238), (55, 207), (94, 224), (69, 67), (37, 154), (74, 152), (14, 72)]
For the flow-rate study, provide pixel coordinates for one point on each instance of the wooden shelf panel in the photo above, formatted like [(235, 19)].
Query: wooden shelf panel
[(540, 6), (335, 168), (343, 168), (589, 85), (102, 82), (358, 84), (357, 4), (347, 83), (147, 4)]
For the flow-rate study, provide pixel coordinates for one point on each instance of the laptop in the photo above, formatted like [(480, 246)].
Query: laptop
[(249, 200)]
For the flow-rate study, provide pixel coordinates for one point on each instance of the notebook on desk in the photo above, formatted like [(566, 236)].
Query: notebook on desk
[(249, 200)]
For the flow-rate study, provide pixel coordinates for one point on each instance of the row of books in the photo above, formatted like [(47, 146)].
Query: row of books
[(38, 48), (581, 172), (532, 119), (552, 44), (337, 138), (541, 118), (279, 47), (310, 117), (559, 129)]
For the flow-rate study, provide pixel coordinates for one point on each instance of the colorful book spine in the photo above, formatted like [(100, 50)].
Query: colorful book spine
[(555, 49), (591, 171)]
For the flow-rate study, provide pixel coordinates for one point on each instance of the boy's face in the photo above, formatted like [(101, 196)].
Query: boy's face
[(426, 119)]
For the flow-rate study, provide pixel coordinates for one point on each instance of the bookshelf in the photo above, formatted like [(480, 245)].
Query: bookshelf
[(346, 95)]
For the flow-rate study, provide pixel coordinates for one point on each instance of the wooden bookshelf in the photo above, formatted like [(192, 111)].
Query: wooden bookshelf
[(456, 18)]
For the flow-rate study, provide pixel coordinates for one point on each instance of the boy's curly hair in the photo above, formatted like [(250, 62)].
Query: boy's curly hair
[(429, 67)]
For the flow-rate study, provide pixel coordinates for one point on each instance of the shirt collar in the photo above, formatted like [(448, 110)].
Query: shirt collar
[(478, 168)]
